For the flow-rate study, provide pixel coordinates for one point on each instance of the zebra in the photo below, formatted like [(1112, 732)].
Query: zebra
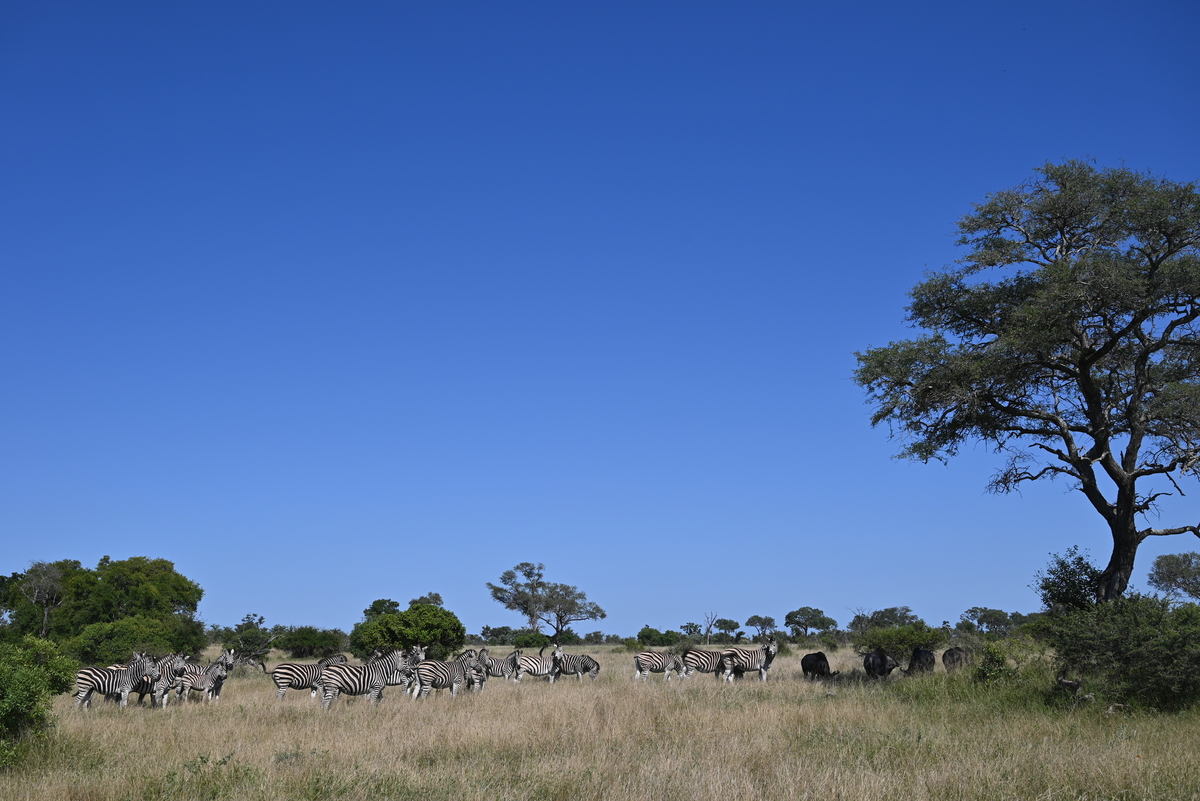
[(536, 666), (648, 662), (747, 659), (697, 660), (209, 681), (500, 668), (227, 660), (301, 675), (113, 681), (170, 668), (296, 676), (433, 675), (575, 664), (368, 679)]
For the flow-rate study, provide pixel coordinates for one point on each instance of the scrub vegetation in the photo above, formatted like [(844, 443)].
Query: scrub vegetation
[(935, 736)]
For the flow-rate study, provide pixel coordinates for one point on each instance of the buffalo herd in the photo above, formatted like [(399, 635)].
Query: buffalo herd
[(878, 665)]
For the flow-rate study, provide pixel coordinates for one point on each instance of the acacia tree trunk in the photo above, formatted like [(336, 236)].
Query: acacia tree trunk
[(1126, 540)]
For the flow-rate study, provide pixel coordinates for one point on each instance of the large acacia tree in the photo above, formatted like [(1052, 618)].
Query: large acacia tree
[(1080, 359), (541, 601)]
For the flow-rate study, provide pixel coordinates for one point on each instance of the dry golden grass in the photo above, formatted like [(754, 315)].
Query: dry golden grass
[(932, 737)]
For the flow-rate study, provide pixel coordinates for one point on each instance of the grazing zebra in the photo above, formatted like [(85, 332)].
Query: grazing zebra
[(575, 664), (209, 681), (697, 660), (368, 679), (536, 666), (747, 659), (113, 681), (500, 668), (297, 676), (433, 675), (648, 662)]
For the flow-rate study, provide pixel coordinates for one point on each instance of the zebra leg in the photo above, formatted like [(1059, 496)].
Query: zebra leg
[(84, 697), (331, 695)]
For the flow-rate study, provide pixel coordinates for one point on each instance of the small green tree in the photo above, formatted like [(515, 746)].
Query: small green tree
[(308, 642), (762, 623), (1177, 574), (899, 641), (113, 643), (891, 617), (438, 629), (807, 618), (1070, 581), (32, 672), (381, 606)]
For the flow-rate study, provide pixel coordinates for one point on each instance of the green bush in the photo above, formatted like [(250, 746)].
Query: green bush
[(1135, 650), (438, 629), (899, 641), (530, 639), (112, 643), (308, 642), (32, 672)]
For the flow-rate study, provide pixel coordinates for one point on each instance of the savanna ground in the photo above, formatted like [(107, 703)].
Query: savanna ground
[(929, 737)]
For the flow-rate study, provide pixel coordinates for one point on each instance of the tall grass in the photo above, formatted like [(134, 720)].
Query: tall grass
[(929, 737)]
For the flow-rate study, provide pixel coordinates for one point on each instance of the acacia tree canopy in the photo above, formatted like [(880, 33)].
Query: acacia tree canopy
[(1177, 574), (543, 602), (1081, 360)]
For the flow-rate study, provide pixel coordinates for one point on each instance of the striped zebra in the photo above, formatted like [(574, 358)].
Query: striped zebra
[(209, 681), (748, 659), (535, 666), (170, 668), (501, 668), (697, 660), (368, 679), (648, 662), (433, 675), (227, 659), (575, 664), (113, 681), (301, 675)]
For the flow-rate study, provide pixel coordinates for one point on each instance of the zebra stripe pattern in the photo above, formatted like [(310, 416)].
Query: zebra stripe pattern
[(575, 664), (336, 659), (697, 660), (433, 675), (500, 668), (369, 679), (170, 668), (648, 662), (748, 659), (297, 676), (536, 666), (113, 681), (209, 682)]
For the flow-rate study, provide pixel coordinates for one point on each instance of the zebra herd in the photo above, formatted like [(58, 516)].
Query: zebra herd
[(408, 669), (145, 675)]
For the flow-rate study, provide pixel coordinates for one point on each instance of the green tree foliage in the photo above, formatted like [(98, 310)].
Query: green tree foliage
[(891, 617), (899, 641), (438, 629), (138, 586), (691, 630), (1079, 361), (309, 642), (1177, 574), (649, 636), (994, 622), (381, 606), (762, 623), (1136, 650), (1070, 581), (497, 635), (113, 643), (430, 598), (543, 602), (32, 672), (726, 626), (805, 619), (528, 639)]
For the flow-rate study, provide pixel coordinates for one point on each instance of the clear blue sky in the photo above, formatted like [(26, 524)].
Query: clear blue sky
[(334, 302)]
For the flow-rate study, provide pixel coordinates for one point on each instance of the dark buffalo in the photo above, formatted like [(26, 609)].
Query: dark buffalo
[(816, 666), (878, 664), (955, 658), (922, 661)]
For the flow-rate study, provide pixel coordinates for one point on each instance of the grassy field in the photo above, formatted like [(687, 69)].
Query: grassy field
[(932, 737)]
